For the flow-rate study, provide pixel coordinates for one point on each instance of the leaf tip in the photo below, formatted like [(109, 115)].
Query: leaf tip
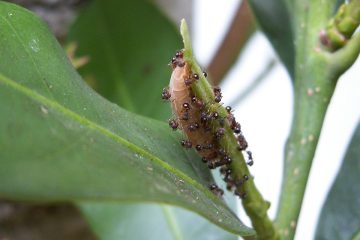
[(184, 30)]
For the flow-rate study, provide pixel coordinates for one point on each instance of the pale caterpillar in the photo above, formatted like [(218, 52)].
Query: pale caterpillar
[(202, 126)]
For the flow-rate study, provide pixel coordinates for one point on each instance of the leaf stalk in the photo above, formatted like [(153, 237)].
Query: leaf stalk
[(254, 204)]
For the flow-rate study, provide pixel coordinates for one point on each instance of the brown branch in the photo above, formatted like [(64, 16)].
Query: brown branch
[(242, 27)]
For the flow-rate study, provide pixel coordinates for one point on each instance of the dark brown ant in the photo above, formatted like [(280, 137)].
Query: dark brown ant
[(218, 98), (203, 117), (216, 190), (173, 124), (219, 192), (212, 165), (186, 143), (173, 63), (186, 106), (213, 186), (219, 133), (185, 116), (223, 170), (179, 54), (193, 126), (200, 104), (188, 81), (227, 159), (165, 94), (181, 63), (197, 102), (241, 195), (215, 115), (250, 161), (217, 90), (178, 61), (228, 109), (208, 146), (198, 147), (230, 117), (246, 177), (218, 95), (230, 185), (242, 142), (236, 127), (227, 177)]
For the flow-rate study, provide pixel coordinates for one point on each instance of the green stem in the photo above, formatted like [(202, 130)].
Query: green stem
[(346, 56), (255, 206), (343, 25), (356, 236), (315, 79)]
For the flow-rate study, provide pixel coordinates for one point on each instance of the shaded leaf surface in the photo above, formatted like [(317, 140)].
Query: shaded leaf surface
[(148, 221), (129, 44), (275, 21), (340, 216), (62, 141)]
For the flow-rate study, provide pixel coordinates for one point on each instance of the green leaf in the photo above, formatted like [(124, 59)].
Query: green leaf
[(122, 221), (340, 216), (129, 44), (62, 141), (149, 221), (275, 21)]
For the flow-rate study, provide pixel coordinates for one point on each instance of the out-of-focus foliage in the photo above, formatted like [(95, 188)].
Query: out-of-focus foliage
[(340, 216)]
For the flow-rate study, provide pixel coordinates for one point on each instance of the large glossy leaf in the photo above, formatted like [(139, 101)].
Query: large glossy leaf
[(275, 21), (148, 221), (340, 216), (122, 221), (62, 141), (129, 44)]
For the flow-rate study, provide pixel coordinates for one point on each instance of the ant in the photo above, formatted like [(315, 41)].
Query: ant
[(165, 94), (173, 124)]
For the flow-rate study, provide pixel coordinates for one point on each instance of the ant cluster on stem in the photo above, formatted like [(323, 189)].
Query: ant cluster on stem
[(204, 127)]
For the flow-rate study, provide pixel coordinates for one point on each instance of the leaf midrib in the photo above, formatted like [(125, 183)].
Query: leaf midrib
[(173, 224), (50, 104)]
